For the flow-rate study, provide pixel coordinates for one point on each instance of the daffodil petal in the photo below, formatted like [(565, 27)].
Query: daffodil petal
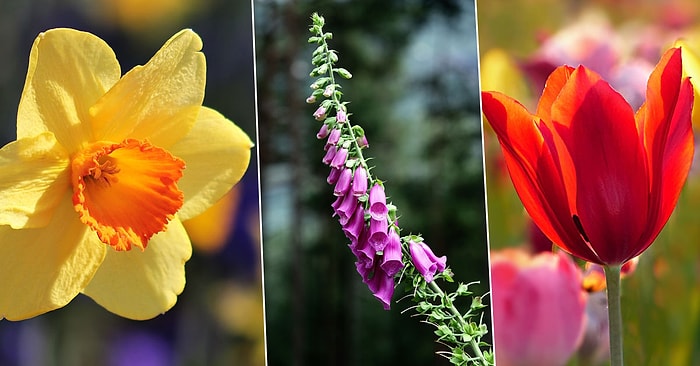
[(68, 72), (158, 101), (139, 284), (44, 269), (217, 154), (34, 174)]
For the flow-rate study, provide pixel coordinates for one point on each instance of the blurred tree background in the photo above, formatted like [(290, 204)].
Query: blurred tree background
[(415, 92), (218, 320)]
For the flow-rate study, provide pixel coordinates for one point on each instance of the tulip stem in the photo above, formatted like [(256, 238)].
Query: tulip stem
[(612, 279)]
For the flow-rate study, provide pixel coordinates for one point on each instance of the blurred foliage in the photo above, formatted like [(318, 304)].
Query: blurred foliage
[(661, 299), (218, 319), (415, 92)]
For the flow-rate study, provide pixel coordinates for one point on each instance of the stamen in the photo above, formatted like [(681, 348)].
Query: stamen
[(104, 172), (577, 222), (126, 192)]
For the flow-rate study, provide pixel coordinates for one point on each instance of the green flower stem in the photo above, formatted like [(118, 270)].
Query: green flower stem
[(472, 342), (612, 279)]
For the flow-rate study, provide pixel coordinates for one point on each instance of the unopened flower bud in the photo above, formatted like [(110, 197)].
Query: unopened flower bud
[(328, 91), (362, 142), (341, 116), (320, 114), (322, 132)]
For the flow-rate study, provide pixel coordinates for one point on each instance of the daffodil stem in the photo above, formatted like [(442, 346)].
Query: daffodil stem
[(612, 279)]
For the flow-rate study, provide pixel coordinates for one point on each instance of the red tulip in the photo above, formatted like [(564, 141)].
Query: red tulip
[(599, 180)]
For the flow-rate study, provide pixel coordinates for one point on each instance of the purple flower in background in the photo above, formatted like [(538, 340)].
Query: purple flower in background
[(359, 182), (140, 349), (377, 202), (425, 261)]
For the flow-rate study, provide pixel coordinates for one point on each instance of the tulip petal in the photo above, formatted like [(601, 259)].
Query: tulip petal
[(217, 154), (44, 269), (158, 101), (68, 72), (552, 87), (34, 174), (138, 284), (597, 127), (538, 181), (668, 137)]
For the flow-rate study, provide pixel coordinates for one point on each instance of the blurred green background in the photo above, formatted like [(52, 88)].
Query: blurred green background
[(661, 299), (415, 92), (218, 320)]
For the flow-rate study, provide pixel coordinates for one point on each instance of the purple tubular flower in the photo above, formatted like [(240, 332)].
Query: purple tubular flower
[(333, 137), (339, 158), (391, 260), (346, 209), (363, 270), (359, 182), (322, 132), (341, 116), (378, 233), (342, 185), (330, 154), (377, 202), (425, 261), (333, 176), (336, 204), (311, 99), (364, 252), (382, 286), (320, 113), (355, 225)]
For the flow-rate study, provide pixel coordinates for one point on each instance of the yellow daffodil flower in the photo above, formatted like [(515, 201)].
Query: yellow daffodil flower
[(104, 169)]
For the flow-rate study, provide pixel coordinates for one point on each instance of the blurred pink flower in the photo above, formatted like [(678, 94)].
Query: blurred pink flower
[(591, 41), (538, 307)]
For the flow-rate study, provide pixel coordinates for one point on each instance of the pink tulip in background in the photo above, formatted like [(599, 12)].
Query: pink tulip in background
[(538, 308)]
